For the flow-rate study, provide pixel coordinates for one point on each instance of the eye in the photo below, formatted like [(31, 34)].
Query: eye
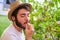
[(28, 15), (22, 15)]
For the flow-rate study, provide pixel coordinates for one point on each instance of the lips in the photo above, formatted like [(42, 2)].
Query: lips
[(26, 22)]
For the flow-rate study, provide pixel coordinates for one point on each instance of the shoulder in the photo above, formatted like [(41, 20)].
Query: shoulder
[(9, 34)]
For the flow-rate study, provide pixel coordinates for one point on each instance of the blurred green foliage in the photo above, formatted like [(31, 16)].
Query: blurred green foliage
[(44, 17), (4, 22)]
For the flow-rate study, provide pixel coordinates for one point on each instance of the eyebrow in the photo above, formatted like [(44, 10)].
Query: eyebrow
[(24, 14)]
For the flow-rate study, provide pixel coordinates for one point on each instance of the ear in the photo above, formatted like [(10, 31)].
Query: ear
[(13, 18)]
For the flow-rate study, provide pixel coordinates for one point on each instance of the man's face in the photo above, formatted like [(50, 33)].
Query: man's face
[(22, 18)]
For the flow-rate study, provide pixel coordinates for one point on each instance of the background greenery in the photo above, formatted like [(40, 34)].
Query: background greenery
[(4, 22), (44, 17)]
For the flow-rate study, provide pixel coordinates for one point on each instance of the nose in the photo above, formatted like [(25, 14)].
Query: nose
[(27, 19)]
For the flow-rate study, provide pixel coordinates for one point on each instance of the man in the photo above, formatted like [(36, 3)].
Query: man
[(19, 15)]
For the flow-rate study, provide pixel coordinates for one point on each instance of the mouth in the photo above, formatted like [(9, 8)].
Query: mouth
[(26, 22)]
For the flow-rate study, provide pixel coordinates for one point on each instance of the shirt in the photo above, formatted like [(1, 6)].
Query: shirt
[(12, 34)]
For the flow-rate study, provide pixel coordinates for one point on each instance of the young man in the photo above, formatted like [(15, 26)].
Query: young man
[(19, 15)]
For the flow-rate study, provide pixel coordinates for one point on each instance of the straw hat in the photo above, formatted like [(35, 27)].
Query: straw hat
[(15, 5)]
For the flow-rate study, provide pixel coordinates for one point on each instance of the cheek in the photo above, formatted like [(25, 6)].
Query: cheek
[(21, 20)]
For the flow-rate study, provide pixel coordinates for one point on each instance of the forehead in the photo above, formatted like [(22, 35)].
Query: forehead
[(23, 11)]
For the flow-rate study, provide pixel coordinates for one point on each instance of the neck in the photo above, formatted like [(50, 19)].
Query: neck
[(17, 28)]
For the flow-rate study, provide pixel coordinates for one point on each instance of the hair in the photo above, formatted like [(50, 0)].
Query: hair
[(22, 6)]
